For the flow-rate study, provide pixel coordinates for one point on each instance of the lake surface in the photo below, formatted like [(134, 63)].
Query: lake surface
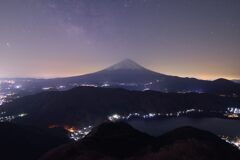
[(214, 125)]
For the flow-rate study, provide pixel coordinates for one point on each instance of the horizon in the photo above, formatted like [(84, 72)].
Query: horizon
[(109, 66)]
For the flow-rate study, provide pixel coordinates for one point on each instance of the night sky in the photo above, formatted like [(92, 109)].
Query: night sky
[(56, 38)]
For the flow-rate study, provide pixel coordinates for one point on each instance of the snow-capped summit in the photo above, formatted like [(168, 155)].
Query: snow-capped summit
[(126, 64)]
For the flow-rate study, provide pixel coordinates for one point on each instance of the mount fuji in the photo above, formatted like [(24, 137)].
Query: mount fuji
[(125, 74), (132, 76)]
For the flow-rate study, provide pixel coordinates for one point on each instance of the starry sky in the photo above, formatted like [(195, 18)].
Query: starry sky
[(57, 38)]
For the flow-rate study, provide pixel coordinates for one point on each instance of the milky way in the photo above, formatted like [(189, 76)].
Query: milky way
[(52, 38)]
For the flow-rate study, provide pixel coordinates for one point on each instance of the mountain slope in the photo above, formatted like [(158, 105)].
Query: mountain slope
[(124, 142), (130, 75), (28, 143), (126, 71), (126, 64), (89, 105)]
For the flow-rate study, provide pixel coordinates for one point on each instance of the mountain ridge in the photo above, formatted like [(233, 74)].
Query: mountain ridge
[(125, 142), (84, 105)]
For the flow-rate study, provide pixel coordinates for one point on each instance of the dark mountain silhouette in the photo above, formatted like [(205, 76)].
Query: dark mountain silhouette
[(89, 105), (114, 141), (126, 64), (126, 72), (236, 81), (130, 75), (28, 143)]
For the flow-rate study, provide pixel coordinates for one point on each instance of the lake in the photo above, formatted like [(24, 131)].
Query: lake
[(214, 125)]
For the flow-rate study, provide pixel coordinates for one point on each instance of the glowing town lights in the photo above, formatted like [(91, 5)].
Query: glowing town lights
[(151, 115), (22, 115), (114, 117), (117, 117), (70, 129), (9, 118), (190, 110), (18, 86), (46, 88), (105, 85), (232, 112), (146, 89), (61, 87), (2, 99), (74, 133), (235, 141), (78, 134)]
